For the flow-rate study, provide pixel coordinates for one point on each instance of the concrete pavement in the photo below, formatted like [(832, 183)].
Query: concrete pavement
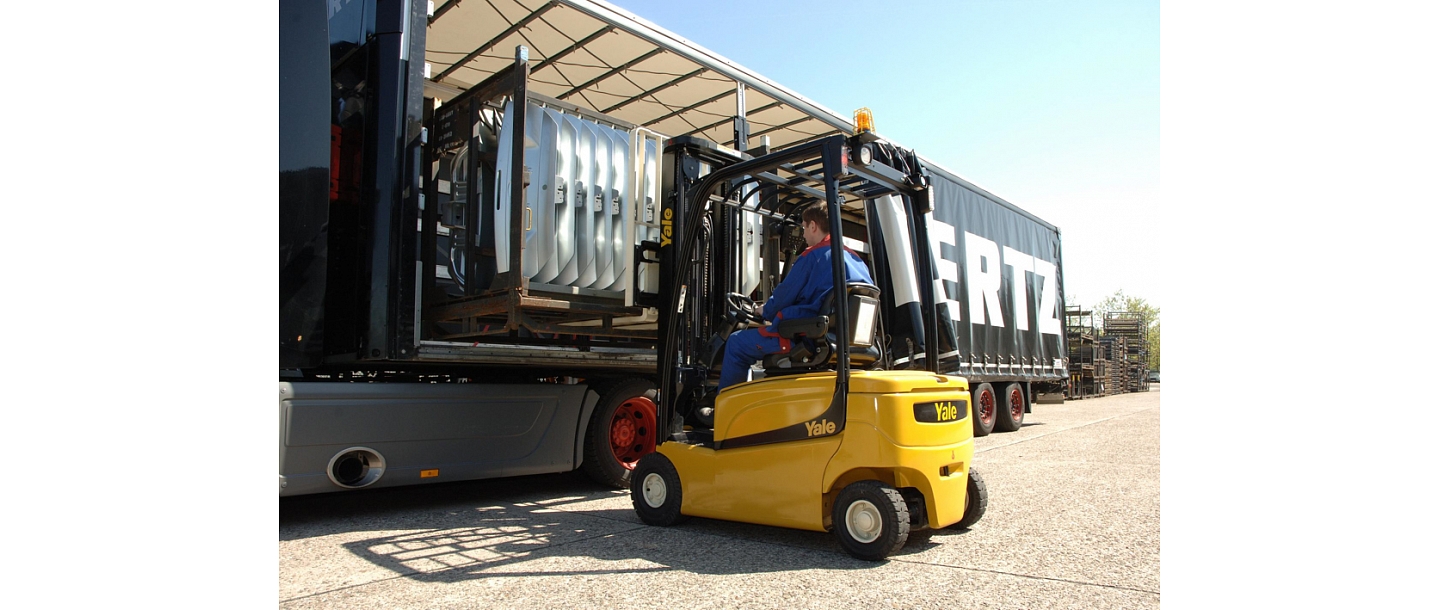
[(1073, 522)]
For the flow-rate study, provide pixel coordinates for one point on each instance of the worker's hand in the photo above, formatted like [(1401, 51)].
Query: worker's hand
[(755, 314)]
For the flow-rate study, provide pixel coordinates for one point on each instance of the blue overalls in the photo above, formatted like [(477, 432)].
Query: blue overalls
[(800, 295)]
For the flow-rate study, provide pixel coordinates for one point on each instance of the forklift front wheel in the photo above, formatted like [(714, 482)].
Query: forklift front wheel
[(870, 520), (655, 490)]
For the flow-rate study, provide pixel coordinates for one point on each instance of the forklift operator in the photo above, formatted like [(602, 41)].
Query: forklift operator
[(800, 295)]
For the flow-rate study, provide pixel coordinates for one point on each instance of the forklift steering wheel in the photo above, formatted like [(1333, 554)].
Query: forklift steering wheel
[(743, 307)]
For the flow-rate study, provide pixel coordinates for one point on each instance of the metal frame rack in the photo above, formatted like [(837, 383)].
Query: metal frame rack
[(1085, 360), (506, 308)]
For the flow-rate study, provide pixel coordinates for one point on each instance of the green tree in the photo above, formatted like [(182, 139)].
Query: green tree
[(1154, 346), (1123, 302)]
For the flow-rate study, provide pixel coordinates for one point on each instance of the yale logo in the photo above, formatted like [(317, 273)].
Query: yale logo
[(667, 227), (946, 411), (816, 428)]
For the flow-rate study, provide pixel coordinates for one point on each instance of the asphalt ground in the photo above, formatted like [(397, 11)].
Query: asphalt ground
[(1073, 522)]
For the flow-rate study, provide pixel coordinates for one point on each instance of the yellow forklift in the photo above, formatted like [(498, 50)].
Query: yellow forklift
[(831, 438)]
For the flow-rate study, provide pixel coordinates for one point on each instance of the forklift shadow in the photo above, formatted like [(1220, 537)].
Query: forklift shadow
[(549, 525), (553, 533), (304, 517), (551, 539)]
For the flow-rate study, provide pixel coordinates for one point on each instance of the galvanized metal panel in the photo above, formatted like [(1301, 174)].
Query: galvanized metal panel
[(500, 215), (582, 220), (566, 192)]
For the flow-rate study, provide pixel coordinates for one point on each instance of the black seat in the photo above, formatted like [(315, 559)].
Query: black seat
[(813, 340)]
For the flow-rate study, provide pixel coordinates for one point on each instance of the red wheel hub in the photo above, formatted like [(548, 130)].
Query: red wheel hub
[(987, 407), (1017, 406), (632, 431)]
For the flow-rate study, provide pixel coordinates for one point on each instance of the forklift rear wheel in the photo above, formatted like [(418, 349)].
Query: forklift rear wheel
[(982, 405), (1012, 414), (655, 491), (621, 431), (976, 499), (870, 520)]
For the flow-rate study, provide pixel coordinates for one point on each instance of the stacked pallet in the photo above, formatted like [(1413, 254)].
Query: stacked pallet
[(1118, 378), (1102, 369), (1109, 359), (1135, 366), (1134, 328)]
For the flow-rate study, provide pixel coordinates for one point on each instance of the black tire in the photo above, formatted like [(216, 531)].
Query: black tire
[(871, 520), (601, 463), (983, 405), (655, 491), (976, 499), (1010, 412)]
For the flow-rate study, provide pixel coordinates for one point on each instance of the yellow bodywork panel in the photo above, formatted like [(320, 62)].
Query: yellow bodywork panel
[(791, 483), (772, 404), (775, 484)]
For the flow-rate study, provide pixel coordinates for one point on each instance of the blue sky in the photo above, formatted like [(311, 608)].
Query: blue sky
[(1054, 106)]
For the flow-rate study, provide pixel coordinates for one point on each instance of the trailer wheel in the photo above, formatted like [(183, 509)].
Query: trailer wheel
[(982, 406), (621, 431), (976, 499), (1011, 414), (655, 490), (870, 520)]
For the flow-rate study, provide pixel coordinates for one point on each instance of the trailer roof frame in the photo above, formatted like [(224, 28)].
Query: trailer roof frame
[(670, 84)]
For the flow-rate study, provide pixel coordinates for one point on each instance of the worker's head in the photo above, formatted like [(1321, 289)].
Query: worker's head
[(815, 220)]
